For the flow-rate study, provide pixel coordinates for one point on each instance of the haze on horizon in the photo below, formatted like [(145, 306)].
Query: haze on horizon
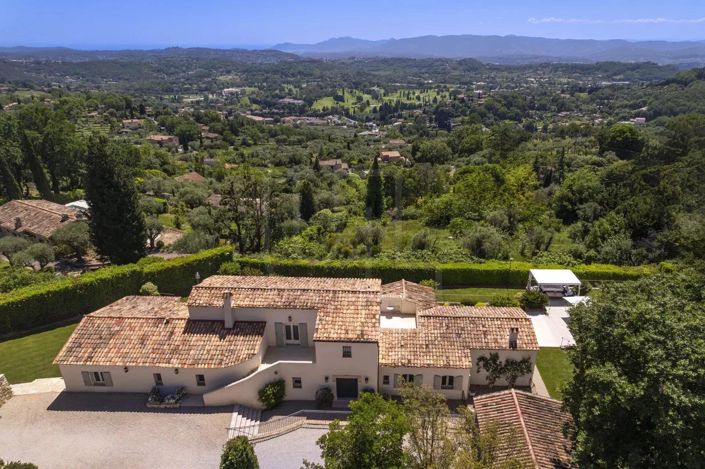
[(92, 24)]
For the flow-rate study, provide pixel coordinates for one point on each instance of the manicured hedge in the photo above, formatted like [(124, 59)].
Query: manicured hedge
[(39, 305), (487, 274)]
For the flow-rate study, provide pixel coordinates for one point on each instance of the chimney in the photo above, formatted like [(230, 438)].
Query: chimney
[(18, 223), (513, 337), (228, 309)]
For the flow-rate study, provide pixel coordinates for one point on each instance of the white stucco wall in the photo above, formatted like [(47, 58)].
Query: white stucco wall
[(362, 364), (480, 377), (427, 380), (141, 379), (399, 304)]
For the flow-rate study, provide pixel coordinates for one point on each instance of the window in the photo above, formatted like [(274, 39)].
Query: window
[(296, 383), (200, 380), (347, 351), (158, 379), (98, 378), (291, 332), (408, 378), (385, 379), (447, 382)]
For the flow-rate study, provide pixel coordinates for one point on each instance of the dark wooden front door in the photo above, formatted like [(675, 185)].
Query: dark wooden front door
[(346, 388)]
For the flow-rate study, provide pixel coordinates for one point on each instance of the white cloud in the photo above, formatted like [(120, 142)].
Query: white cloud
[(555, 20)]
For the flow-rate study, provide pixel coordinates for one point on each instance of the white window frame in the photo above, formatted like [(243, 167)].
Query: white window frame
[(385, 380), (199, 381), (447, 382), (347, 351), (292, 334), (97, 378), (295, 381)]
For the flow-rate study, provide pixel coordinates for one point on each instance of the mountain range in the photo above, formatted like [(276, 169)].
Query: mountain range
[(506, 49)]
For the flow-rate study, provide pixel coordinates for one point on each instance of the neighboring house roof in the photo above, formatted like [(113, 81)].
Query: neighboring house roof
[(445, 336), (530, 426), (424, 297), (156, 331), (38, 218), (157, 138), (390, 154), (348, 309), (193, 177), (554, 277), (214, 200)]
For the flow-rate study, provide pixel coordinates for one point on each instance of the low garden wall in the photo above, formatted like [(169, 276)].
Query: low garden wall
[(5, 390)]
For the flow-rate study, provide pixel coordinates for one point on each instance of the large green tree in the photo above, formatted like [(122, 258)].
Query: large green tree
[(637, 396), (30, 145), (374, 199), (117, 225), (307, 204), (372, 438), (238, 454)]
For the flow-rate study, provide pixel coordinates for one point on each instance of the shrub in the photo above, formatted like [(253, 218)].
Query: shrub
[(533, 299), (73, 239), (324, 398), (504, 300), (195, 241), (251, 271), (16, 465), (238, 454), (422, 240), (485, 242), (9, 245), (149, 289), (429, 283), (272, 394), (229, 268)]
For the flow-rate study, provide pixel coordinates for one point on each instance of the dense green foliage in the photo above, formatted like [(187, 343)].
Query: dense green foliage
[(637, 390), (64, 298), (238, 453), (272, 394)]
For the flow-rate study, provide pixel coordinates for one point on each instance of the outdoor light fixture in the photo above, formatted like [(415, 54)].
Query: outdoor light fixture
[(326, 379), (367, 379), (125, 369), (176, 371), (289, 318)]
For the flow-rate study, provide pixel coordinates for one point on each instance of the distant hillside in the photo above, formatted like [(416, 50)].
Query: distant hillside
[(74, 55), (506, 49)]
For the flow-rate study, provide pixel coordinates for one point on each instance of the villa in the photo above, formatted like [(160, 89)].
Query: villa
[(235, 334)]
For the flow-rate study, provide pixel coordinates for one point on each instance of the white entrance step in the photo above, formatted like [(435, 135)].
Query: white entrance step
[(244, 421)]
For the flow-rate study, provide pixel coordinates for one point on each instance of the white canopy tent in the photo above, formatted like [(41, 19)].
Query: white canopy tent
[(554, 281)]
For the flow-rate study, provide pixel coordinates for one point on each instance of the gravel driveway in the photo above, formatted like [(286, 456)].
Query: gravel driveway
[(77, 430)]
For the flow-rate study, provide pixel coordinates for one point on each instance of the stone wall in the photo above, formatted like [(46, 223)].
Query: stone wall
[(5, 390)]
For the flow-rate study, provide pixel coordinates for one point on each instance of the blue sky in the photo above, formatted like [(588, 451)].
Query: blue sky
[(222, 23)]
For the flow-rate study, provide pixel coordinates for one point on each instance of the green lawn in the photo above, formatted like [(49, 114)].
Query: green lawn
[(555, 369), (28, 358), (483, 295)]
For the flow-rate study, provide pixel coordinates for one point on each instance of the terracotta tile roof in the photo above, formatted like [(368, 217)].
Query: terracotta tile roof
[(38, 218), (530, 425), (192, 177), (214, 200), (445, 336), (421, 348), (156, 331), (348, 309), (424, 297)]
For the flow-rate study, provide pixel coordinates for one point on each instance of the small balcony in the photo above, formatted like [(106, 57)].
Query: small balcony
[(290, 354)]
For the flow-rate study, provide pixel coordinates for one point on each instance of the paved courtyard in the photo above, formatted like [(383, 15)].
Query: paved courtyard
[(551, 327), (289, 451), (75, 430)]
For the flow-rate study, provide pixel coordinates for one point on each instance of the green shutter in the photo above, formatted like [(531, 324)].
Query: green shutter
[(107, 378), (303, 334), (436, 382), (458, 383), (279, 333), (87, 378)]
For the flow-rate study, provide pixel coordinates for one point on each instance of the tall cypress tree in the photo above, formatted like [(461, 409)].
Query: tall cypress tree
[(117, 225), (374, 200), (307, 206), (30, 142), (11, 189)]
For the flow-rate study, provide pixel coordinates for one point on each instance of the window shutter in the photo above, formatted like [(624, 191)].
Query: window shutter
[(303, 334), (418, 379), (107, 378), (436, 382), (87, 378), (397, 378), (458, 382), (279, 333)]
